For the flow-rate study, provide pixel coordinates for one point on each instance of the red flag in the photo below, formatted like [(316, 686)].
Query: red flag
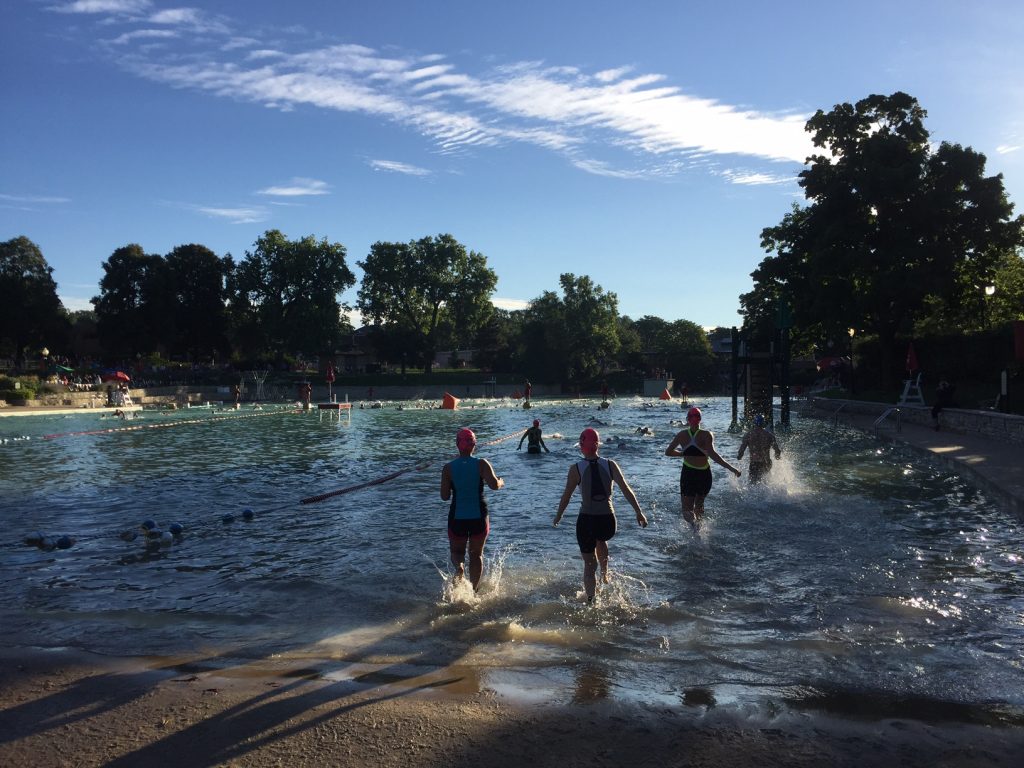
[(330, 373), (912, 359)]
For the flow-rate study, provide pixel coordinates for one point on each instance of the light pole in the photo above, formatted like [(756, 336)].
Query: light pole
[(990, 291), (45, 352)]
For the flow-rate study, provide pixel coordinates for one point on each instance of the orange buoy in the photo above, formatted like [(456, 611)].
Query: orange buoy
[(450, 402), (665, 395)]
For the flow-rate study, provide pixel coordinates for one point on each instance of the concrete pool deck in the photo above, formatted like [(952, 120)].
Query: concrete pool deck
[(996, 466)]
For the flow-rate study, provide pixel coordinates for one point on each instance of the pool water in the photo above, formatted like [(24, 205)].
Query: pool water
[(860, 579)]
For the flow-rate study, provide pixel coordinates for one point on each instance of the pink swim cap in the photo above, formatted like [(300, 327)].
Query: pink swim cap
[(589, 436), (694, 413), (536, 422), (465, 439)]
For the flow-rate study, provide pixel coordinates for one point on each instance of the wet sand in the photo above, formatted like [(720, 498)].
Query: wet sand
[(64, 708)]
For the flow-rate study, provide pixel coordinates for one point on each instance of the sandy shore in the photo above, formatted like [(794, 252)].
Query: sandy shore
[(62, 708)]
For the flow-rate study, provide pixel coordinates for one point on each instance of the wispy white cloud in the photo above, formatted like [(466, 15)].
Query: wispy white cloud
[(75, 303), (754, 179), (234, 215), (192, 19), (396, 167), (638, 123), (34, 199), (509, 304), (239, 42), (144, 34), (1006, 149), (102, 6), (298, 187)]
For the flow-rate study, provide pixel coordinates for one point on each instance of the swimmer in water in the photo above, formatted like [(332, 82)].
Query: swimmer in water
[(595, 524), (535, 437), (462, 481), (696, 447), (760, 442)]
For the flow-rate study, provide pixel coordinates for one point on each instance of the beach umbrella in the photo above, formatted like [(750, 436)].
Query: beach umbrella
[(912, 359), (116, 376)]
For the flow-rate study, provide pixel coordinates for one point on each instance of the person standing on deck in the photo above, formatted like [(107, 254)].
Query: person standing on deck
[(595, 524), (696, 447), (462, 481)]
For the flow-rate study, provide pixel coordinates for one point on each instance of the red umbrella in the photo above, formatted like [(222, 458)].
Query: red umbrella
[(912, 359), (116, 376)]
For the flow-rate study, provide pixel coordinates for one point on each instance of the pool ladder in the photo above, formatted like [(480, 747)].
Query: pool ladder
[(895, 412)]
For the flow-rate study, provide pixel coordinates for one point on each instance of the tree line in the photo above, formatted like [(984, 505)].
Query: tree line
[(282, 301), (899, 237)]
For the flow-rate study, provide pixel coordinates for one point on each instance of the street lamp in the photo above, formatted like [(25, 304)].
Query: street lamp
[(987, 291), (45, 352)]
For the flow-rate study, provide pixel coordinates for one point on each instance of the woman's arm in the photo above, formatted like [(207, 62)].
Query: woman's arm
[(487, 474), (446, 483), (619, 478), (571, 481), (713, 455)]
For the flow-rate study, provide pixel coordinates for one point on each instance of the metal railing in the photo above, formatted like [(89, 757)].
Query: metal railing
[(835, 415), (885, 415)]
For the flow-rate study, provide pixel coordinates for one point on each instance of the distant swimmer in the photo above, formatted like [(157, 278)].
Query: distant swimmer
[(760, 441), (533, 434), (695, 445), (595, 524), (462, 481)]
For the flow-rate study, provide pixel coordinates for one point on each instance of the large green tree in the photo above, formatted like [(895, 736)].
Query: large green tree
[(426, 293), (198, 280), (573, 337), (680, 347), (892, 223), (31, 313), (134, 314), (286, 296)]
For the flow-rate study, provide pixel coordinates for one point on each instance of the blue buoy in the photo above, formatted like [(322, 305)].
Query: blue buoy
[(228, 518), (64, 542), (247, 514), (175, 529), (149, 524)]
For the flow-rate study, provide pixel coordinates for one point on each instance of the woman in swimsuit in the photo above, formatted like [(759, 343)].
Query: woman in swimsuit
[(695, 446), (595, 524)]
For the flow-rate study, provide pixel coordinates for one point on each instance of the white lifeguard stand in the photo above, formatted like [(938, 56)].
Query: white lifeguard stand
[(912, 394)]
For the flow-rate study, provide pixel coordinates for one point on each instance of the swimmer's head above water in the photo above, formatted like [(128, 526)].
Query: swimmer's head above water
[(693, 416), (536, 422), (465, 440), (759, 420), (589, 440)]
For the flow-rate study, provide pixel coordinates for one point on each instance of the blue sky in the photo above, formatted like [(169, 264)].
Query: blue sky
[(644, 144)]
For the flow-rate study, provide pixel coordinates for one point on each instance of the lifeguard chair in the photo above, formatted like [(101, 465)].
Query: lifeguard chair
[(912, 394)]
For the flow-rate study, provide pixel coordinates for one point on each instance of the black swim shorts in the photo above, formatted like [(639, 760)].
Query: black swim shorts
[(591, 529), (695, 482)]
